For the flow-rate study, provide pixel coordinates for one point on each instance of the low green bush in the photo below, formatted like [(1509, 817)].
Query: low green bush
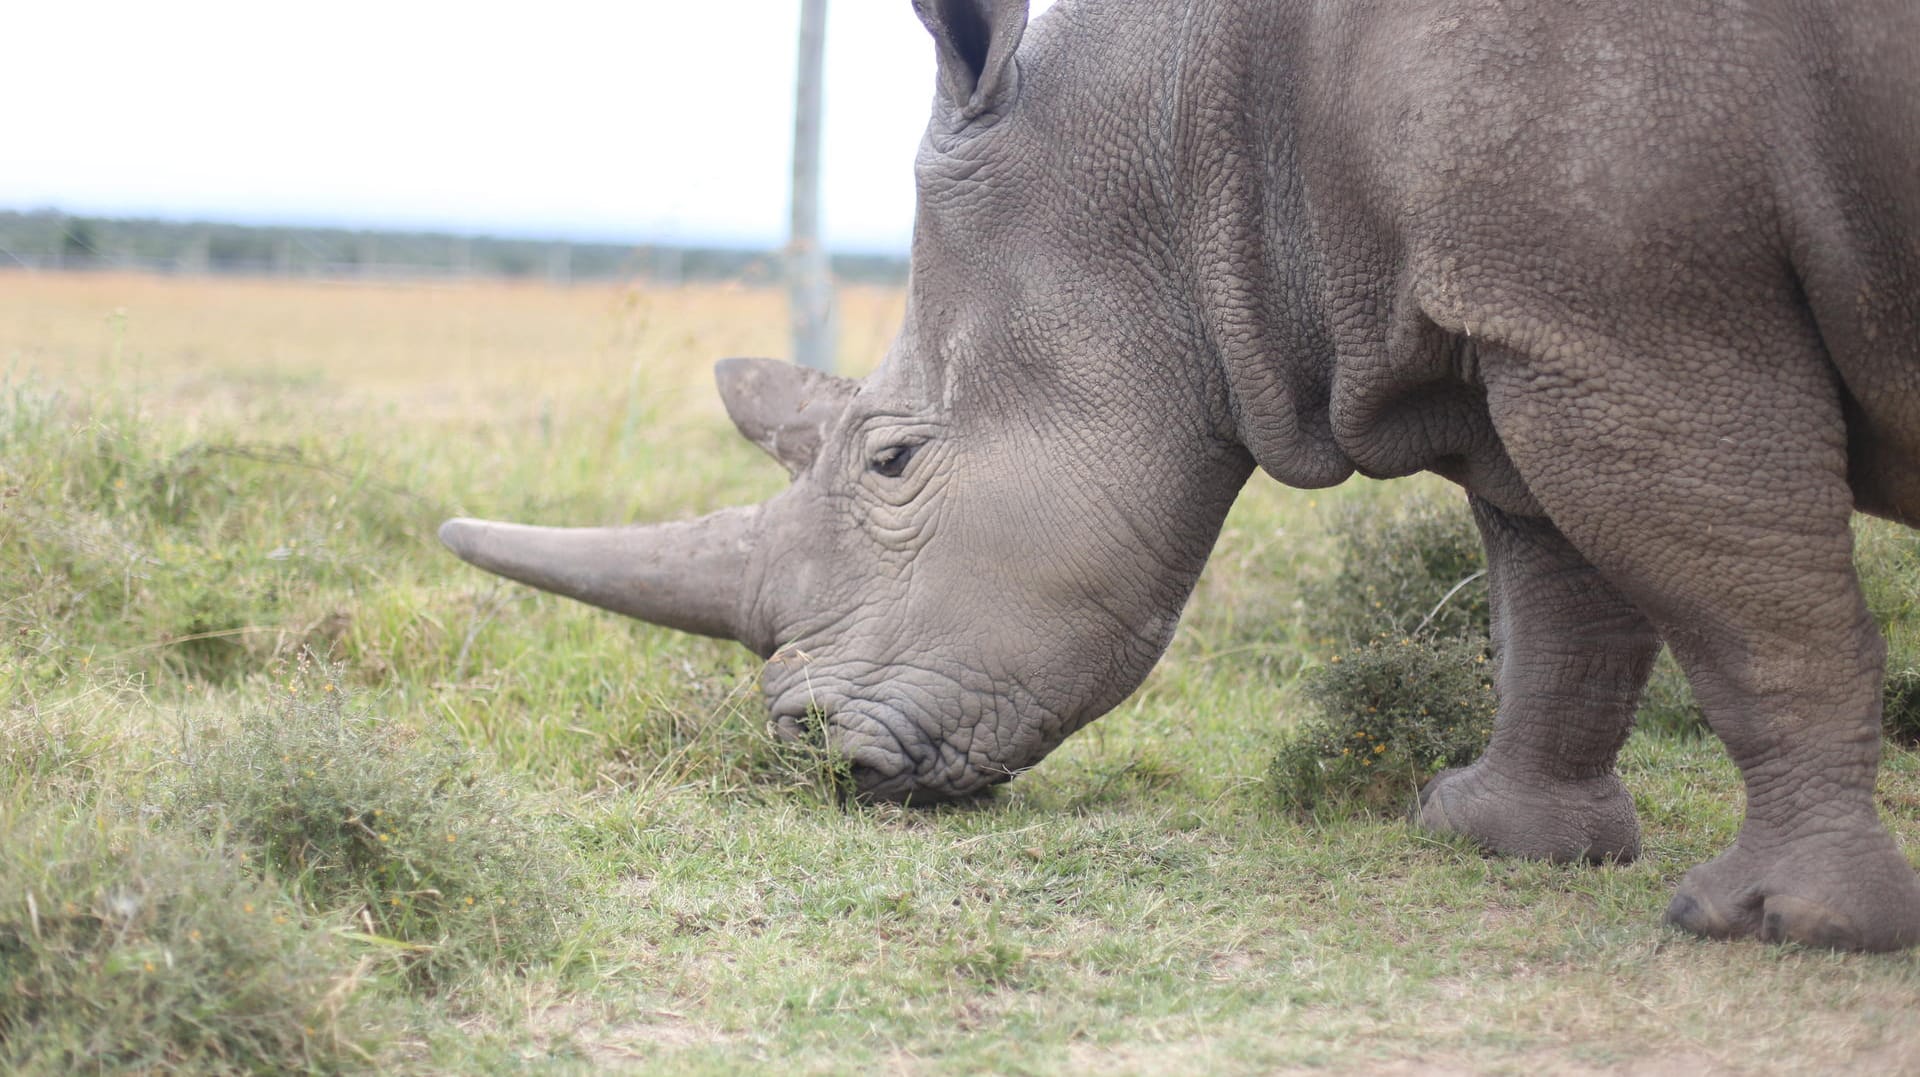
[(1389, 716), (409, 838), (1416, 570), (1407, 689), (1406, 602), (1900, 705)]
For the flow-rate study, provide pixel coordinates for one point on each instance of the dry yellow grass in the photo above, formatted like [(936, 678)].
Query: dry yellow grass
[(213, 346)]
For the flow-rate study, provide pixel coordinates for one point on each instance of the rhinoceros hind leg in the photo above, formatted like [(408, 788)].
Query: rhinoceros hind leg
[(1711, 487), (1573, 655), (1855, 893)]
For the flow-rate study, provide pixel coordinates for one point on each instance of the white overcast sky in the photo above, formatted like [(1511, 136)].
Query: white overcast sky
[(641, 120)]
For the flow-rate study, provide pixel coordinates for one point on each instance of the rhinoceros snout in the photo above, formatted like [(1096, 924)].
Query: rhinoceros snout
[(869, 767)]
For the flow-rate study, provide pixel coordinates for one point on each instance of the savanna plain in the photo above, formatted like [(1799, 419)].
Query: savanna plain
[(284, 787)]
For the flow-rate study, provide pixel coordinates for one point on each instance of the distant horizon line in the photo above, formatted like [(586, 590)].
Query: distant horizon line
[(452, 230)]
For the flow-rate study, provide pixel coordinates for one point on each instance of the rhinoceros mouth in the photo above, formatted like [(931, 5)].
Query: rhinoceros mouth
[(882, 755), (873, 760)]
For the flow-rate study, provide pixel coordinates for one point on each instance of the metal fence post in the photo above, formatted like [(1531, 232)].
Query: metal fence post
[(809, 288)]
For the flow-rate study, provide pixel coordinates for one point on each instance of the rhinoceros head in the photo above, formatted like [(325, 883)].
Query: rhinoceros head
[(986, 543)]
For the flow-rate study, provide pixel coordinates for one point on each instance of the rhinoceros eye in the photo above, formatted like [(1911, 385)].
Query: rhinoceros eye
[(891, 461)]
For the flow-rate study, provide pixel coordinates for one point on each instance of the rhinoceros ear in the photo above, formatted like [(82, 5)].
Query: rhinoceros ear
[(783, 408), (975, 41)]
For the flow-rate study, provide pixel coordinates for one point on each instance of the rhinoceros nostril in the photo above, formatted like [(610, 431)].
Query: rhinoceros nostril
[(806, 727)]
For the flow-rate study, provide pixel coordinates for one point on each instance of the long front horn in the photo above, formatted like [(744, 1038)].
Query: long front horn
[(689, 575)]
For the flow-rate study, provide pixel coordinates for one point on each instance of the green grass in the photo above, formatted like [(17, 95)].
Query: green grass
[(198, 495)]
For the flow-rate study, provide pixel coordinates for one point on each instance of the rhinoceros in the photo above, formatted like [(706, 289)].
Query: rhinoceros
[(1642, 278)]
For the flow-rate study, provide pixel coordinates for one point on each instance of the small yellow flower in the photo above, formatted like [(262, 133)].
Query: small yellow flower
[(328, 688), (149, 964), (383, 837), (248, 907), (449, 839), (469, 900), (1335, 660), (1378, 748)]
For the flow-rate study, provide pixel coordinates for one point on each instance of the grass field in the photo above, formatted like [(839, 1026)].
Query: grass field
[(486, 830)]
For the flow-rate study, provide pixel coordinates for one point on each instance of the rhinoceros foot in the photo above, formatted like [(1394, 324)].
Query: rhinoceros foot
[(1841, 890), (1561, 820)]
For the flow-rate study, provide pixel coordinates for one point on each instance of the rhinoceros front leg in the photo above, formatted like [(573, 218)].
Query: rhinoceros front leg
[(1573, 655), (1711, 488)]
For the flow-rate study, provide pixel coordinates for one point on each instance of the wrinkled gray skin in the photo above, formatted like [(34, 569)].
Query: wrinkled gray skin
[(1644, 279)]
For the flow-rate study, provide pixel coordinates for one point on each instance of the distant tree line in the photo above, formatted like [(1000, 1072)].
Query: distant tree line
[(50, 239)]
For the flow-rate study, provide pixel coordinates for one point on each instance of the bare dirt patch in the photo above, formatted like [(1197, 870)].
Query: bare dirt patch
[(618, 1040)]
